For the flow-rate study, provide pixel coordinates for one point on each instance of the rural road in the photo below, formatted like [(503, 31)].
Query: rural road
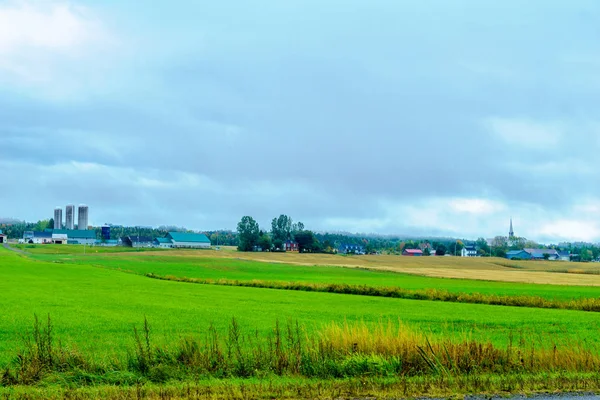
[(7, 247)]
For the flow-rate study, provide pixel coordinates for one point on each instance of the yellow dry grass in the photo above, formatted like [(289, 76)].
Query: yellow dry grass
[(491, 269)]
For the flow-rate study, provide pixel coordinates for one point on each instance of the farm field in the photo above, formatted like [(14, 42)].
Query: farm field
[(207, 265), (491, 269), (94, 302)]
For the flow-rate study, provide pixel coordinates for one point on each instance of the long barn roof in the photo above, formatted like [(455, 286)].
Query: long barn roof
[(189, 237)]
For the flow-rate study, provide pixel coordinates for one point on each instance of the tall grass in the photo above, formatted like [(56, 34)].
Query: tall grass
[(583, 304), (335, 351)]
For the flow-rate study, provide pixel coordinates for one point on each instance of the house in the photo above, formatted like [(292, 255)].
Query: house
[(188, 240), (351, 249), (137, 241), (290, 245), (518, 255), (3, 237), (469, 251), (412, 252), (163, 243), (540, 254), (564, 255), (76, 236)]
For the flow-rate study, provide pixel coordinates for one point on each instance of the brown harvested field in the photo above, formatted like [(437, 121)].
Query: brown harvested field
[(492, 269)]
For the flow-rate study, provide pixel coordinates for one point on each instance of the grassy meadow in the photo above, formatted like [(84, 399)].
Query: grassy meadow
[(95, 301)]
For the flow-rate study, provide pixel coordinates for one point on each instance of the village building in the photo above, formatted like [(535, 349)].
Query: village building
[(188, 240), (468, 251), (163, 243), (412, 252)]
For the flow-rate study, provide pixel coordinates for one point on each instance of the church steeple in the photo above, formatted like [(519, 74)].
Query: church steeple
[(511, 233)]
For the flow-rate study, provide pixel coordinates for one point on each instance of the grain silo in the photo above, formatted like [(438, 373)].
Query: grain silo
[(70, 217), (82, 221), (57, 218)]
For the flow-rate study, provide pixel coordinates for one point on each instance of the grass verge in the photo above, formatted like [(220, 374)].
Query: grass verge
[(338, 351)]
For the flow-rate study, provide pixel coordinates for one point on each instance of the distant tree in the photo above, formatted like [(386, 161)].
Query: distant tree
[(297, 227), (519, 243), (483, 245), (278, 245), (281, 228), (306, 241), (43, 224), (440, 250), (499, 246), (546, 256), (426, 251), (51, 223), (458, 246), (248, 233), (264, 242), (586, 255), (370, 249)]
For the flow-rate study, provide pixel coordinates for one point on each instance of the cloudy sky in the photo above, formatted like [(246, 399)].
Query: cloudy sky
[(411, 117)]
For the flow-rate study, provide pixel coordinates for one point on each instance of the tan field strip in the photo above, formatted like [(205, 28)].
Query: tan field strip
[(490, 269)]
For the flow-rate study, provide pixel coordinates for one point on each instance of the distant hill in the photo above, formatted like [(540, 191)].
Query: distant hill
[(10, 221)]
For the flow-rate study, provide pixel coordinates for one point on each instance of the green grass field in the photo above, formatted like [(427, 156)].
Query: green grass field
[(94, 304), (207, 267)]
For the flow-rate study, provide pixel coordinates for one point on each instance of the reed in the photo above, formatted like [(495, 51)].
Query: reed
[(337, 351)]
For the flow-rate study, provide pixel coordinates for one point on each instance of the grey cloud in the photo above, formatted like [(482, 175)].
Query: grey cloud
[(347, 103)]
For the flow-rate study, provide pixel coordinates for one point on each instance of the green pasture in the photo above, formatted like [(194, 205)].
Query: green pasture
[(231, 268), (64, 249), (96, 308)]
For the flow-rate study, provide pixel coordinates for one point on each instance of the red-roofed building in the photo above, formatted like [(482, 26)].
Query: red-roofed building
[(291, 246), (412, 252)]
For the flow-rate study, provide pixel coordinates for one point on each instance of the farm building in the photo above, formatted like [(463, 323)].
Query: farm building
[(37, 237), (518, 254), (164, 243), (351, 249), (189, 240), (412, 252), (468, 251), (76, 236), (540, 254), (564, 255), (106, 243), (290, 245), (3, 237), (59, 238), (137, 241)]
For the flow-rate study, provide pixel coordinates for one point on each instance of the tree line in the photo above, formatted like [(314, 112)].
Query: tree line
[(283, 230)]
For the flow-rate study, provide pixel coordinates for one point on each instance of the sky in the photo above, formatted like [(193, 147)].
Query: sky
[(431, 118)]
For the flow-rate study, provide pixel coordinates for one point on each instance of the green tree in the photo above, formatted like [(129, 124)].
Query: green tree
[(278, 245), (458, 246), (499, 246), (483, 246), (264, 242), (43, 224), (281, 228), (306, 241), (518, 243), (440, 250), (248, 233), (426, 251)]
